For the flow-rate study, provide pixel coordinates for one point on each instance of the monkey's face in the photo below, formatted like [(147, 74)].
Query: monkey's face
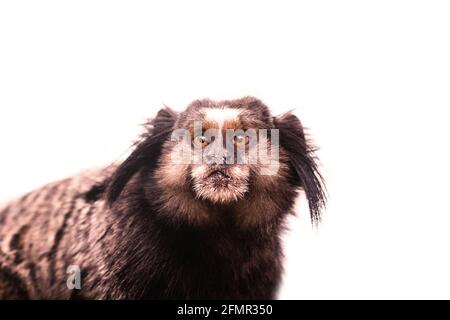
[(217, 175), (220, 149)]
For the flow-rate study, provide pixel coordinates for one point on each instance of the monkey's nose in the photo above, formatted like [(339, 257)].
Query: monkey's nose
[(218, 159)]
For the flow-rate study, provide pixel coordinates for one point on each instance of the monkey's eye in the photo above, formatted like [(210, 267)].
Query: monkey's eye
[(240, 140), (201, 141)]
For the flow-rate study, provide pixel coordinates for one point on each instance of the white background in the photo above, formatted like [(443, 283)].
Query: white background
[(370, 79)]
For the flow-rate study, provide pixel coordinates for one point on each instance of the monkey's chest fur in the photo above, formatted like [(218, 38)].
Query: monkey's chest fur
[(127, 253)]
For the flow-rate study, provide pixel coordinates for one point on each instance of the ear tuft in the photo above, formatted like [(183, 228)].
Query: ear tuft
[(304, 161), (146, 151)]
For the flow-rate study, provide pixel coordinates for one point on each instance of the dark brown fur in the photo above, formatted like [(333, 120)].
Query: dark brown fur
[(135, 237)]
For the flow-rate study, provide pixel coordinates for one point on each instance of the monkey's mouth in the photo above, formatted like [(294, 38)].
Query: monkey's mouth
[(219, 179), (220, 185), (218, 174)]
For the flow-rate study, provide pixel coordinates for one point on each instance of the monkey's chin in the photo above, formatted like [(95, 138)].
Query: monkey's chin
[(219, 192), (220, 197)]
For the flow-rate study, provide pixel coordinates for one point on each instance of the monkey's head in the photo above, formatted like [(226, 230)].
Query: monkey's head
[(223, 158)]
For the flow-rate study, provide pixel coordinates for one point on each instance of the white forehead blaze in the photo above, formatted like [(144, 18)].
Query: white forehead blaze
[(221, 115)]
